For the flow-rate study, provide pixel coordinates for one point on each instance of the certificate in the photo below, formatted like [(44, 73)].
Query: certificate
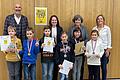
[(79, 48), (5, 42), (66, 67), (49, 44)]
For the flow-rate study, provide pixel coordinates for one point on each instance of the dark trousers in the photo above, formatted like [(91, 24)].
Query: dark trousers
[(55, 72), (21, 69), (104, 61), (94, 72)]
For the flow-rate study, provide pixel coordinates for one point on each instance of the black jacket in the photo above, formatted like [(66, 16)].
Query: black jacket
[(59, 55), (59, 31), (45, 56)]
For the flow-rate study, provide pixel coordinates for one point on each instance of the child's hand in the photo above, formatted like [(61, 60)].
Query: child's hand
[(71, 67), (60, 66), (43, 44), (75, 51), (18, 50), (8, 50), (53, 44), (61, 50), (37, 43), (83, 48), (13, 50), (97, 55)]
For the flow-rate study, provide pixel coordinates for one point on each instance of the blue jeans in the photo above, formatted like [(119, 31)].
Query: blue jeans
[(29, 71), (77, 67), (104, 61), (63, 76), (14, 70), (47, 70)]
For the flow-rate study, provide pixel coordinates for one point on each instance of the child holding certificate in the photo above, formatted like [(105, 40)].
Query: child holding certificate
[(79, 53), (64, 51), (29, 52), (94, 52), (12, 57), (46, 44)]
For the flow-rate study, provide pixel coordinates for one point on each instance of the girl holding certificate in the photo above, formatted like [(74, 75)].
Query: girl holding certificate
[(47, 54), (94, 52), (78, 23), (79, 51), (64, 51)]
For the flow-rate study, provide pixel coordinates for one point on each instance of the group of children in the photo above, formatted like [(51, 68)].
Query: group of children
[(28, 50), (64, 50)]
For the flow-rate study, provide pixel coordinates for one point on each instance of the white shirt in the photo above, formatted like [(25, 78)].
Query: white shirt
[(99, 50), (105, 35), (54, 32), (17, 19)]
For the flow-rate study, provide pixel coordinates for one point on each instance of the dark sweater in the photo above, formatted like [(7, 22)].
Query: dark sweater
[(59, 55), (45, 56)]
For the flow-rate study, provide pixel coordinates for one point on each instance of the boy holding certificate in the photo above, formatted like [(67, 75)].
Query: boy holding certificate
[(64, 53), (29, 52), (47, 54), (12, 57)]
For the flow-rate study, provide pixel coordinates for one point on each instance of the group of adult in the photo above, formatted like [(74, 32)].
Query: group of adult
[(21, 23)]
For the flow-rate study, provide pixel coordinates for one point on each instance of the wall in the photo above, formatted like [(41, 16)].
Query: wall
[(65, 10)]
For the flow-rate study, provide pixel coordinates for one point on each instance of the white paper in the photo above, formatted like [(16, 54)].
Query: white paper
[(66, 67), (49, 44), (5, 42)]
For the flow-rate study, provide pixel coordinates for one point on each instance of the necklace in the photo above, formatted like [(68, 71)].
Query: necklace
[(65, 48), (29, 46), (93, 46)]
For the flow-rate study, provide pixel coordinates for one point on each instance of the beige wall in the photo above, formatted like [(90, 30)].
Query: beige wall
[(65, 10)]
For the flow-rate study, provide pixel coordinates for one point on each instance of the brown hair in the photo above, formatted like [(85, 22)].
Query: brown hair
[(76, 17), (63, 32), (77, 30), (12, 27), (95, 31), (51, 19), (30, 29), (46, 27), (99, 16)]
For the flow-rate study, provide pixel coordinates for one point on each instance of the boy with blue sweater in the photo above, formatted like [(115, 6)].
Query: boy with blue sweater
[(29, 52)]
